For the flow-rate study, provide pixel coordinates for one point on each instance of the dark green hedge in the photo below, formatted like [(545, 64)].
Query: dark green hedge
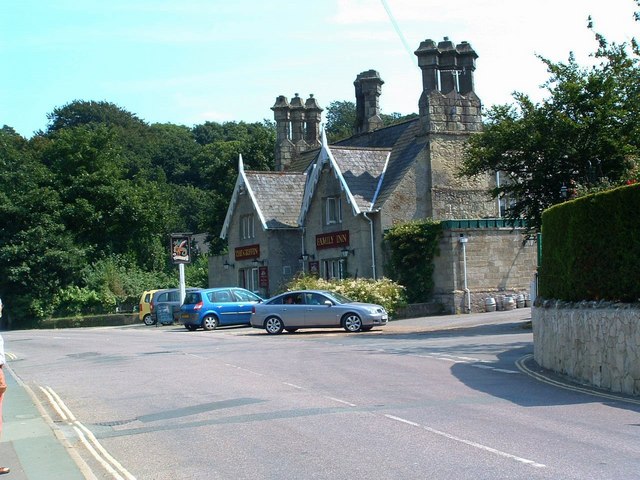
[(591, 248)]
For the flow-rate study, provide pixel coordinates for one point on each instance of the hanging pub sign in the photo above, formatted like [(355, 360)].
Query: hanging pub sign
[(180, 248), (332, 240)]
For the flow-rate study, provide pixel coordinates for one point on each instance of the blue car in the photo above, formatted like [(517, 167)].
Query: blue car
[(213, 307)]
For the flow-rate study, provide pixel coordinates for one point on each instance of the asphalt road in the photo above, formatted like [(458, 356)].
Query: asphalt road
[(436, 398)]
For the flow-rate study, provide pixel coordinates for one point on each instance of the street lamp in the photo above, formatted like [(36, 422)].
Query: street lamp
[(563, 191), (345, 252), (228, 265)]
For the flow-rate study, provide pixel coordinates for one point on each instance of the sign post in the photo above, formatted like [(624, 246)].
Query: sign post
[(181, 254)]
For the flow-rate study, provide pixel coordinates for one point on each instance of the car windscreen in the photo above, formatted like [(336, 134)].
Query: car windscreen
[(246, 296), (192, 298), (337, 297)]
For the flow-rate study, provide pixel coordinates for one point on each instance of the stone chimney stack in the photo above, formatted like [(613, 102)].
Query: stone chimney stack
[(467, 62), (448, 66), (297, 120), (448, 101), (313, 118), (284, 147), (368, 87), (428, 59)]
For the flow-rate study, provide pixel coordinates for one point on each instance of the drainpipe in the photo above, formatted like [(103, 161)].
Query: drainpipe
[(373, 251), (498, 186), (302, 249), (463, 241)]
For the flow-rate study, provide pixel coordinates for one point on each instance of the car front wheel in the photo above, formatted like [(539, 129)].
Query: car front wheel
[(148, 320), (273, 325), (210, 322), (352, 323)]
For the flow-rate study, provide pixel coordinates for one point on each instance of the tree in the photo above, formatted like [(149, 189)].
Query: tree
[(81, 112), (38, 254), (584, 135), (341, 120)]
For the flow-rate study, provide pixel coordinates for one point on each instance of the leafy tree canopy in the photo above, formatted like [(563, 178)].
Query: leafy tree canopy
[(584, 135)]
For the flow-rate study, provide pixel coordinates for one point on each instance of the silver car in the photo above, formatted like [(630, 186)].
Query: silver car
[(291, 311)]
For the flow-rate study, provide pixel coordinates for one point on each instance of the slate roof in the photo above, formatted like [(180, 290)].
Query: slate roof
[(278, 196), (362, 170), (385, 137), (400, 140)]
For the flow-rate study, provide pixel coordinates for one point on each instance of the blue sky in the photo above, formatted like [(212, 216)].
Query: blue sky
[(189, 61)]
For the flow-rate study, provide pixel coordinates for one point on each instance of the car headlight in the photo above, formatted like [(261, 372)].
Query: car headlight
[(376, 310)]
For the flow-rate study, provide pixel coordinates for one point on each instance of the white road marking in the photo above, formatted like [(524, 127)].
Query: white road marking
[(469, 442), (452, 360), (294, 386), (341, 401), (504, 370)]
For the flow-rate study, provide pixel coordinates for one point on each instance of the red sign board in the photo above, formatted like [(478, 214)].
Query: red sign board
[(250, 251), (314, 268), (332, 240), (263, 277)]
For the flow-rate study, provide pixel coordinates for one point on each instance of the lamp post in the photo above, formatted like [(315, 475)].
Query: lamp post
[(463, 241)]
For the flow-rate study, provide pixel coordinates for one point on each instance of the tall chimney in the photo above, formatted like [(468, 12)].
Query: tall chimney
[(368, 87), (297, 119), (467, 62), (313, 118), (281, 111), (448, 66), (281, 116), (428, 60)]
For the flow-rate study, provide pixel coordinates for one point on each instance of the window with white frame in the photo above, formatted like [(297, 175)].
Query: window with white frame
[(333, 269), (333, 210), (247, 228), (248, 279)]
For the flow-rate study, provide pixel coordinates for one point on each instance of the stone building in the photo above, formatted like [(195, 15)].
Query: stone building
[(326, 207)]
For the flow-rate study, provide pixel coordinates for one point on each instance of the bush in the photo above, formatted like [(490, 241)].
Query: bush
[(383, 292), (591, 248), (411, 248)]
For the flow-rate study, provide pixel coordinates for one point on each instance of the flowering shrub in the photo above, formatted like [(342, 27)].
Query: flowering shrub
[(383, 292)]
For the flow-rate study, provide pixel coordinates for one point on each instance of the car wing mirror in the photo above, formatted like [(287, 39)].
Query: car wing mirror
[(328, 303)]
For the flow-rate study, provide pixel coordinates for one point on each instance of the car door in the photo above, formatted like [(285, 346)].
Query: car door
[(291, 310), (224, 306), (317, 313), (244, 302)]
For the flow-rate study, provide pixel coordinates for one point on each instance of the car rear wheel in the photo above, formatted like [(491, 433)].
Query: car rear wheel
[(273, 325), (210, 322), (148, 319), (352, 323)]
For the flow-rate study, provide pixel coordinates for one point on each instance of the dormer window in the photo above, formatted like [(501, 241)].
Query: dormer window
[(333, 210)]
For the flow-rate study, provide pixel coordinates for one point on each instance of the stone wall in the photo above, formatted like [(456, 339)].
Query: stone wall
[(498, 262), (593, 344)]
